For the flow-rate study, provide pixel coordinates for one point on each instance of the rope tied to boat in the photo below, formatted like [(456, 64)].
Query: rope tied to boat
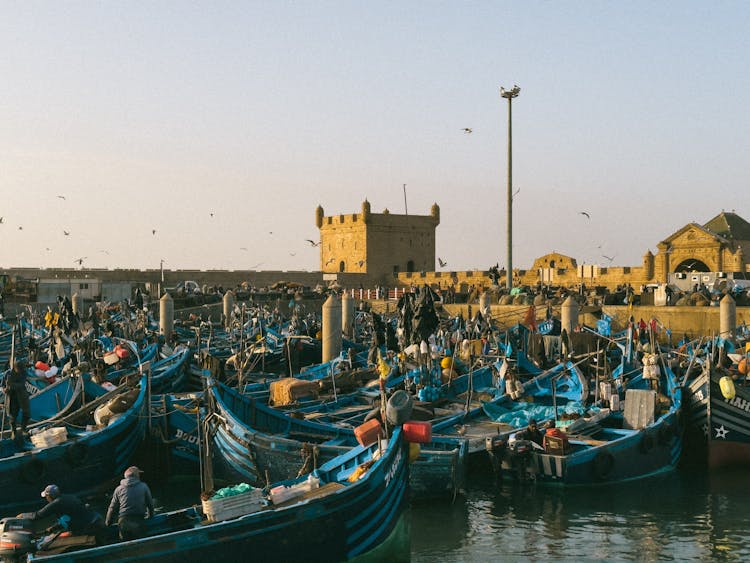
[(310, 453)]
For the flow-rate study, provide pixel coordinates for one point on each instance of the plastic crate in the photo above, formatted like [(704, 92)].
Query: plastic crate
[(232, 507), (50, 437)]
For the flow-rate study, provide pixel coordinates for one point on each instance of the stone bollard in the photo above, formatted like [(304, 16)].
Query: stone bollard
[(569, 315), (727, 317), (347, 315), (484, 304), (166, 316), (228, 306), (331, 328)]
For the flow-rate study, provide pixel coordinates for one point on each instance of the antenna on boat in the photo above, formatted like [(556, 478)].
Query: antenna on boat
[(406, 207)]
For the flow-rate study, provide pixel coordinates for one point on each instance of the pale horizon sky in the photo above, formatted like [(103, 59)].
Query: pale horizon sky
[(152, 116)]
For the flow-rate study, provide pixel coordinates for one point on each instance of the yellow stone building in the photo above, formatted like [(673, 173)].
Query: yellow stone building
[(379, 245), (718, 246)]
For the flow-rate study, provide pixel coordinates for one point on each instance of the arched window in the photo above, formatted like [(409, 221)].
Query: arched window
[(410, 266), (342, 266)]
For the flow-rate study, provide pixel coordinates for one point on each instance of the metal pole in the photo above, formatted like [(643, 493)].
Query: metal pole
[(510, 94), (509, 234)]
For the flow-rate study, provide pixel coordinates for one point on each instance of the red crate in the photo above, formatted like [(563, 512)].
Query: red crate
[(369, 432), (418, 432)]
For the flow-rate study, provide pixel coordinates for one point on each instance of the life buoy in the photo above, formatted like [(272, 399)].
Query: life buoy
[(604, 462), (34, 471), (647, 442), (77, 453)]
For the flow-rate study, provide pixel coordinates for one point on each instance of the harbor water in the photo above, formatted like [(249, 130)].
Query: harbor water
[(681, 516)]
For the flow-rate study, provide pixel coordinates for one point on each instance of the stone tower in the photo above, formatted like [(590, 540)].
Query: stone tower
[(377, 244)]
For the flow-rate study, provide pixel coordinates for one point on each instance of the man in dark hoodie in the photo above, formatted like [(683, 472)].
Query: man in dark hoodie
[(130, 502)]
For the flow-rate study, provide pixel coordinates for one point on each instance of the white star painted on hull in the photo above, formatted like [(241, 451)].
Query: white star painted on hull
[(721, 432)]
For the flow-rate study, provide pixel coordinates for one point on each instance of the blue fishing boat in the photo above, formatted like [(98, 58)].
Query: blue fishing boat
[(718, 432), (345, 518), (260, 443), (88, 457), (604, 447)]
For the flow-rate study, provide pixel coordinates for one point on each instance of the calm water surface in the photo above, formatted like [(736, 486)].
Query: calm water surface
[(682, 516)]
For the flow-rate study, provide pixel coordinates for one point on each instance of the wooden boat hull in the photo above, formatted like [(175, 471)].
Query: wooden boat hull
[(350, 523), (719, 430), (82, 464)]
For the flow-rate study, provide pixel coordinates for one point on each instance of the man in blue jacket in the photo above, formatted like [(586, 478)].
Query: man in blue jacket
[(130, 503)]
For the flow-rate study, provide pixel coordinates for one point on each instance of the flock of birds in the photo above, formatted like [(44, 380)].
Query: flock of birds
[(314, 244)]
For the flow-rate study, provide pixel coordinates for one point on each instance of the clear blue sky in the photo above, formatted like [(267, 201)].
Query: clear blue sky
[(153, 115)]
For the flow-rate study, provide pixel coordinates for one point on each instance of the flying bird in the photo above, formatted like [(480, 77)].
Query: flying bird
[(153, 231), (1, 219), (292, 254), (211, 214), (313, 243), (105, 252), (467, 130), (610, 258), (361, 263), (66, 233), (20, 228), (61, 197), (243, 248), (329, 261), (586, 214), (48, 249), (80, 260), (442, 262), (256, 265)]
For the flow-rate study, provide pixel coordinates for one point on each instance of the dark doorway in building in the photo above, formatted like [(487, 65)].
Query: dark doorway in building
[(410, 266), (342, 266), (691, 265)]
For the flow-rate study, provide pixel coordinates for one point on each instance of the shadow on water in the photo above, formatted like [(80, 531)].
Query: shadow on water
[(682, 516)]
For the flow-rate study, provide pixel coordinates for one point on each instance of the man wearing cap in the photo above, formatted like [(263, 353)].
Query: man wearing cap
[(83, 521), (531, 433), (130, 502)]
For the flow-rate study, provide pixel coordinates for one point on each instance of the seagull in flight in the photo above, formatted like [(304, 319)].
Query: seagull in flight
[(80, 260), (61, 197), (20, 228), (467, 130), (586, 214), (610, 258), (211, 214), (243, 248), (1, 220), (66, 233), (153, 231), (312, 242), (442, 262), (105, 252), (256, 265)]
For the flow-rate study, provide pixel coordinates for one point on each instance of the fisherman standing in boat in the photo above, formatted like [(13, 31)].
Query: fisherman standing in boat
[(130, 501), (18, 396)]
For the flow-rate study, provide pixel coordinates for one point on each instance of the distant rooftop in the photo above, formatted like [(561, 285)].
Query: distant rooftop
[(730, 226)]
